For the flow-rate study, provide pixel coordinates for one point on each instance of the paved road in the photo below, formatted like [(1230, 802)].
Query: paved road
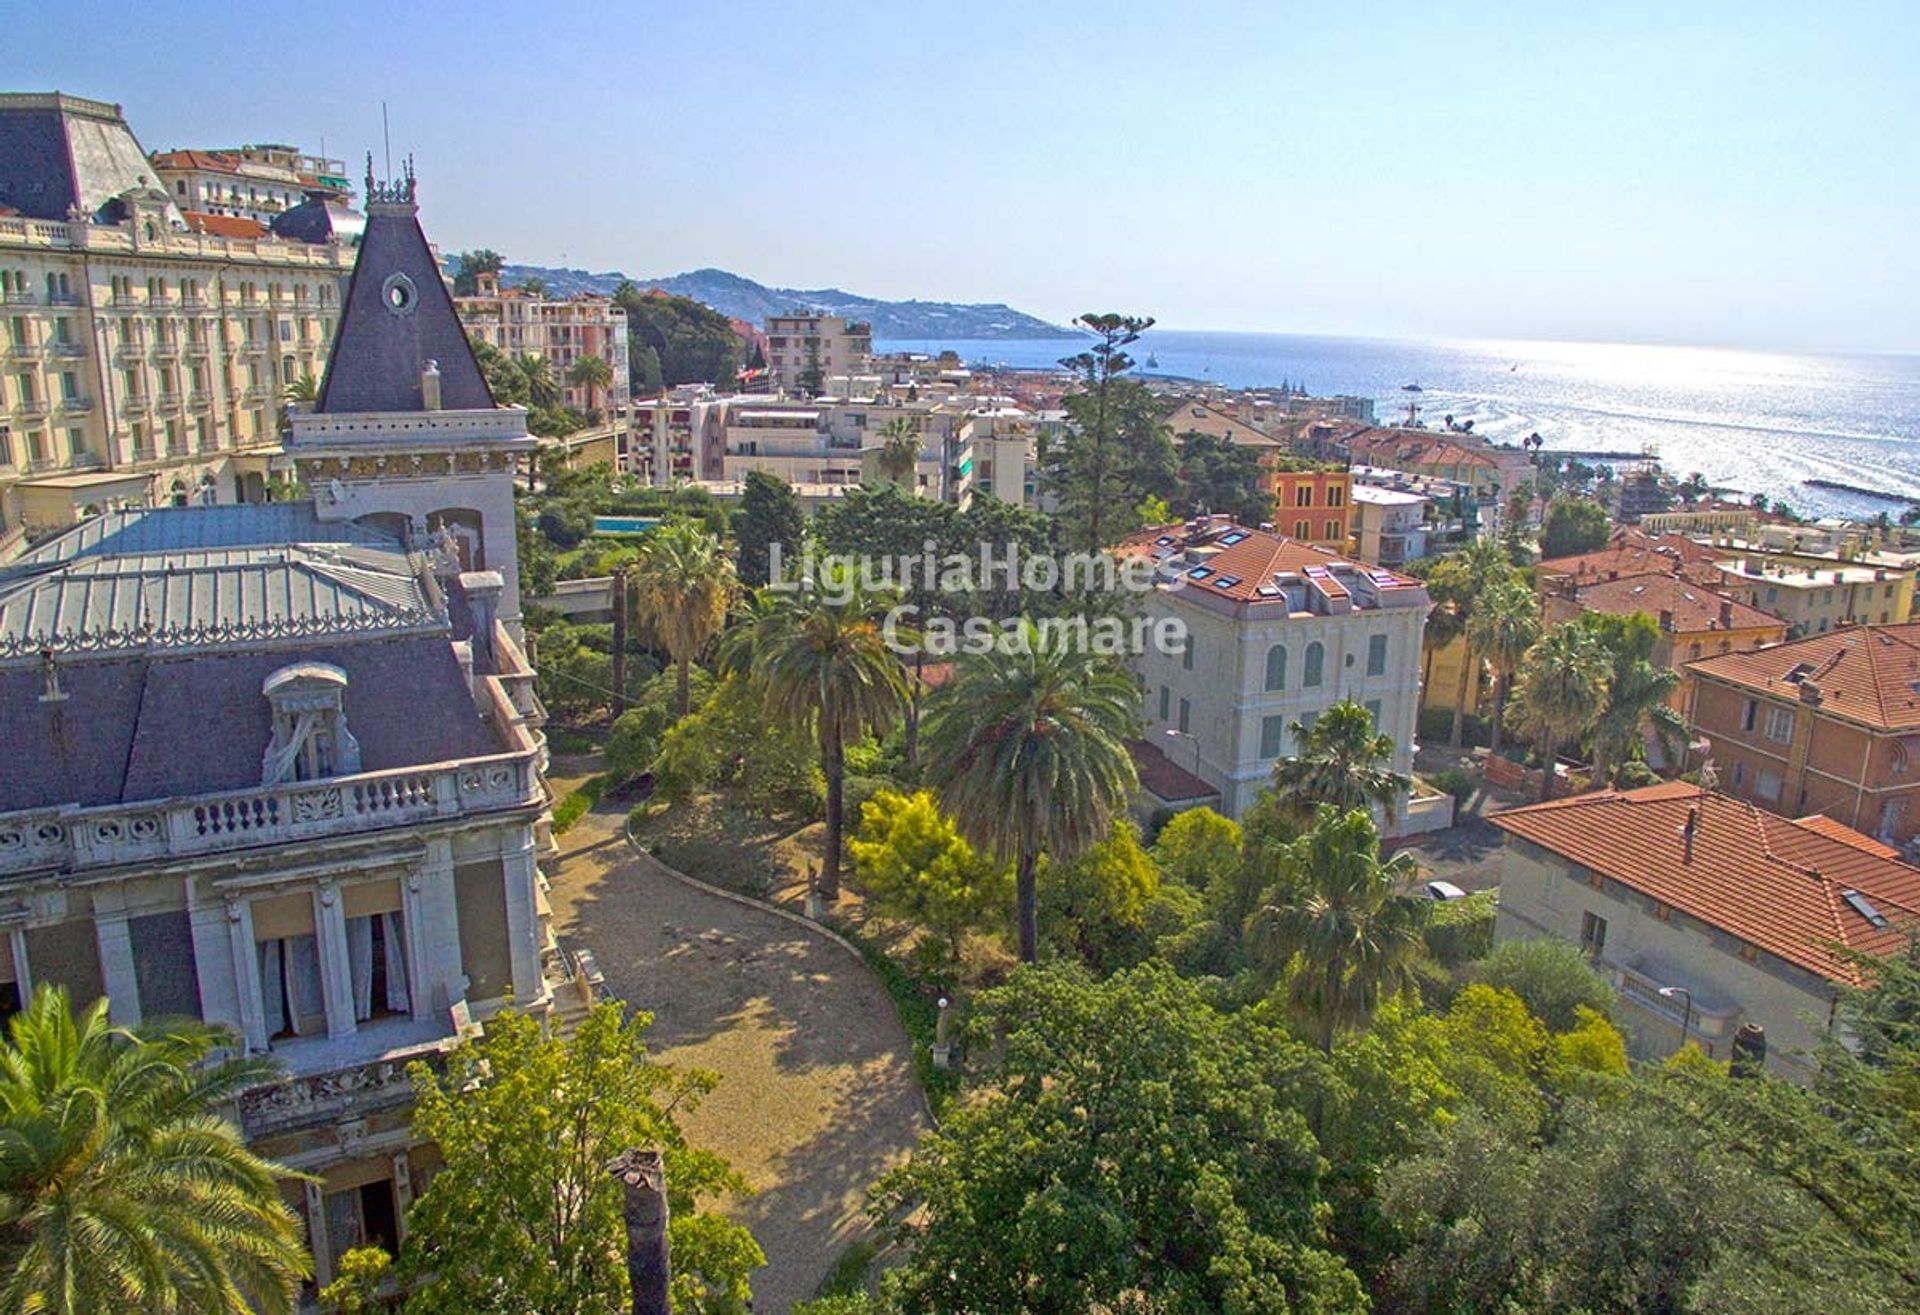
[(817, 1096)]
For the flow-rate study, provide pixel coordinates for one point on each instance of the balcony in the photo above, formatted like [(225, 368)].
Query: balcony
[(125, 301), (166, 351), (76, 405), (130, 353), (68, 839), (200, 399), (66, 349), (136, 404), (168, 401), (30, 407), (63, 299), (16, 297), (195, 351), (331, 1077), (23, 351)]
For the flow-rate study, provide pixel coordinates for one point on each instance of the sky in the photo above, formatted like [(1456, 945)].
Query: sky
[(1740, 174)]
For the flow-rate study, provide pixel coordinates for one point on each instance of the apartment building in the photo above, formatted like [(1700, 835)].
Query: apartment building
[(1312, 500), (561, 329), (1390, 525), (280, 766), (259, 183), (1829, 724), (831, 444), (1708, 914), (1277, 632), (141, 362), (1819, 593), (806, 348)]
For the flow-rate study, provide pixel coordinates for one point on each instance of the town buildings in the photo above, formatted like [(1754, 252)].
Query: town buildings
[(1706, 912), (1491, 472), (1828, 724), (280, 766), (1818, 593), (144, 361), (1390, 525), (1311, 499), (560, 330), (259, 183), (1693, 619), (805, 348), (1278, 631)]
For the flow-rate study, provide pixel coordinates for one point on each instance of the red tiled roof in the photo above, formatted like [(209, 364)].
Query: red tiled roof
[(1868, 674), (210, 161), (223, 225), (1164, 779), (1632, 552), (1694, 607), (1252, 559), (1777, 884)]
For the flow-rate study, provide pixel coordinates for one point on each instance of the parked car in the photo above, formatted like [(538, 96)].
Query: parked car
[(1444, 890)]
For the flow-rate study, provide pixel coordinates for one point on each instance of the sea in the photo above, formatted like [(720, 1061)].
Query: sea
[(1750, 421)]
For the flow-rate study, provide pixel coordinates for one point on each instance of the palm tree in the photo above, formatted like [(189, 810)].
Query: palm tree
[(1563, 681), (1350, 937), (1339, 760), (304, 389), (817, 654), (1026, 746), (1503, 627), (120, 1187), (592, 374), (899, 450), (541, 389), (682, 585), (1482, 564), (1638, 693)]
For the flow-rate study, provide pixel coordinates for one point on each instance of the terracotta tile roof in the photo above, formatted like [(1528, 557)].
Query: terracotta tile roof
[(1633, 552), (1198, 417), (1867, 674), (1240, 561), (1165, 779), (1695, 608), (223, 225), (1777, 884), (208, 161)]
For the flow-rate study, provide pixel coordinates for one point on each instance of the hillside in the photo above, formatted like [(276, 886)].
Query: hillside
[(745, 299)]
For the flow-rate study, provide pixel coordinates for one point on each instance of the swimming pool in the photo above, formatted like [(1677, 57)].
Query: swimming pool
[(623, 524)]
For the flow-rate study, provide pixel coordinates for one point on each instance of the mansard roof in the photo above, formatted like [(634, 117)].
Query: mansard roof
[(171, 529), (398, 316), (59, 153)]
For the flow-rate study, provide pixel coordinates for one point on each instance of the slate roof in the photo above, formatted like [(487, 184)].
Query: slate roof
[(379, 350), (57, 152), (149, 728), (1776, 884), (169, 529), (319, 219), (1866, 674)]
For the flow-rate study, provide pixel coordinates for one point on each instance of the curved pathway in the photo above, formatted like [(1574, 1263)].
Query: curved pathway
[(817, 1096)]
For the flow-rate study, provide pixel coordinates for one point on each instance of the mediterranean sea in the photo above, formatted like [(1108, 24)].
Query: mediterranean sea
[(1752, 421)]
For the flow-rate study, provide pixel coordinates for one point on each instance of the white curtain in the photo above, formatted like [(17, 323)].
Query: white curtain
[(360, 965), (273, 987), (393, 933), (303, 978)]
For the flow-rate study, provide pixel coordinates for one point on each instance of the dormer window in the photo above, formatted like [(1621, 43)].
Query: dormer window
[(310, 737)]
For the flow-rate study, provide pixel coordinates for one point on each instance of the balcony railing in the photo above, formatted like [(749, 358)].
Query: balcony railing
[(331, 1078), (169, 401), (68, 349), (76, 405), (30, 407), (15, 297), (67, 839)]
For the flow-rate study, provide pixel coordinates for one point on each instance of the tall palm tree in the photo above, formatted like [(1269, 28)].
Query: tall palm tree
[(541, 388), (304, 389), (593, 374), (1026, 745), (1340, 760), (1638, 693), (1343, 927), (1563, 681), (818, 655), (120, 1187), (1480, 565), (1503, 627), (899, 450), (681, 587)]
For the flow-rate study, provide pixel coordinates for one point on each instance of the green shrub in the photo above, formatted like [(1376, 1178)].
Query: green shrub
[(1552, 976), (1456, 781), (1460, 931)]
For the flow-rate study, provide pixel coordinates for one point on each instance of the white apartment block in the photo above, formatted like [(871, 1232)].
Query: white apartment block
[(259, 183), (1278, 632), (141, 363), (801, 341)]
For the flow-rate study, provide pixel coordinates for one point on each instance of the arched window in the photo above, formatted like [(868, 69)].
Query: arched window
[(178, 494), (1316, 658), (1277, 667), (208, 490)]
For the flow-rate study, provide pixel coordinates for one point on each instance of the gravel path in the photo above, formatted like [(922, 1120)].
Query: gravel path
[(817, 1096)]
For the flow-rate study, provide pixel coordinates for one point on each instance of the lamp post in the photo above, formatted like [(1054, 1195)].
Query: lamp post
[(1188, 735), (1686, 1009)]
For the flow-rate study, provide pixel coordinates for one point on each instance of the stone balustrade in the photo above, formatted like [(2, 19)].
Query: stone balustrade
[(348, 1085), (73, 838)]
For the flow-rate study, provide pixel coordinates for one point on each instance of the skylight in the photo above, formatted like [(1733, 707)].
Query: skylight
[(1862, 907), (1200, 572), (1226, 582)]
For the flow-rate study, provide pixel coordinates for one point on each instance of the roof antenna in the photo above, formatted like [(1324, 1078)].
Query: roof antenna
[(386, 136)]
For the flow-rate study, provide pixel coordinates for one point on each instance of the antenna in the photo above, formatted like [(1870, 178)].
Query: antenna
[(386, 136)]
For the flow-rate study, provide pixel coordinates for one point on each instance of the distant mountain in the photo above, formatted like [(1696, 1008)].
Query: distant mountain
[(744, 299)]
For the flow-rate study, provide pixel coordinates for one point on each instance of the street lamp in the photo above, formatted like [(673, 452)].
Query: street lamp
[(1188, 735), (1686, 1011)]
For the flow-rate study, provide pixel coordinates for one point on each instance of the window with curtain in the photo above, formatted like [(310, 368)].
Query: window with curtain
[(291, 996), (1316, 659), (377, 963), (1277, 667)]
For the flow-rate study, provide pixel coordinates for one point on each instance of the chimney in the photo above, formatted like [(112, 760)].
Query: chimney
[(430, 386), (643, 1181), (1726, 614), (1666, 618), (1687, 833), (1809, 693), (482, 590)]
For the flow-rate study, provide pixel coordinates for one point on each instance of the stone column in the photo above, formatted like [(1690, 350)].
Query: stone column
[(523, 921), (336, 973), (246, 971), (402, 1193), (317, 1239), (116, 966)]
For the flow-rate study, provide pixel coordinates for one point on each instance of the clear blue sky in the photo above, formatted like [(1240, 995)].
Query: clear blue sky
[(1732, 173)]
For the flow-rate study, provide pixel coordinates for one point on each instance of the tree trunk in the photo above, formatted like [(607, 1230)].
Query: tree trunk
[(643, 1183), (683, 683), (1459, 736), (1499, 711), (1550, 752), (1026, 896), (619, 643), (833, 764), (913, 711), (1599, 767)]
